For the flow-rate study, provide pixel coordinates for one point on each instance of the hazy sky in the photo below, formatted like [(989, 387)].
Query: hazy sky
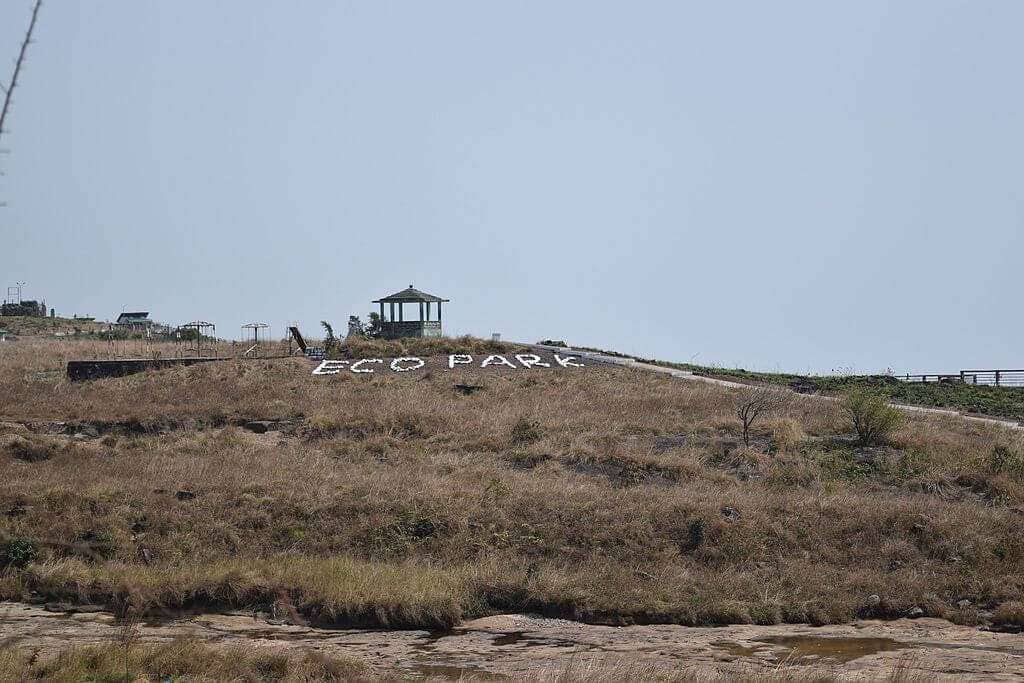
[(774, 185)]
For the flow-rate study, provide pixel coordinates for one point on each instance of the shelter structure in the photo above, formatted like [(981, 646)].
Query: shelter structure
[(134, 321), (394, 326)]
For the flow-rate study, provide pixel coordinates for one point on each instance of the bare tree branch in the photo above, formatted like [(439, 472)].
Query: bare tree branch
[(9, 90), (756, 401)]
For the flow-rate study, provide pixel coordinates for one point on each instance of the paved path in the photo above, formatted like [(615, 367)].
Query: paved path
[(687, 375)]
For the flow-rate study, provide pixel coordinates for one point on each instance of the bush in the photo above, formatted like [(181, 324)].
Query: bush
[(873, 418), (31, 450), (320, 427), (1004, 460), (17, 552), (1009, 614), (525, 431)]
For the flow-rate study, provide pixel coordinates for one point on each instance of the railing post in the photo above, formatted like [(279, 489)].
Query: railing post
[(997, 378)]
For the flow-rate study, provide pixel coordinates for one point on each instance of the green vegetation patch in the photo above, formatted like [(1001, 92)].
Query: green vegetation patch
[(1003, 402)]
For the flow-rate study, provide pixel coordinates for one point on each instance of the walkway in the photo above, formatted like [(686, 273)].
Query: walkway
[(687, 375)]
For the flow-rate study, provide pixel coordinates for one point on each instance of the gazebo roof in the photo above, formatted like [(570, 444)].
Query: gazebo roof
[(410, 294)]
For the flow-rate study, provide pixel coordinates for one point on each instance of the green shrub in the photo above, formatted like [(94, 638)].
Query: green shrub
[(873, 418), (17, 552), (1004, 460)]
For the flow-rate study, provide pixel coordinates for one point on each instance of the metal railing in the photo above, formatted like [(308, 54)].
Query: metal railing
[(994, 378), (927, 379), (988, 378)]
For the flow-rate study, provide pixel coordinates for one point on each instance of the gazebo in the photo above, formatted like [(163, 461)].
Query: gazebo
[(393, 327)]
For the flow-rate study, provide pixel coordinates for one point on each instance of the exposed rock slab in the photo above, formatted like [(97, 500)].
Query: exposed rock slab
[(523, 644)]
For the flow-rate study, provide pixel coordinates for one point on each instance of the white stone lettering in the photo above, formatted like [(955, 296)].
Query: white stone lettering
[(530, 360), (417, 363), (356, 368), (330, 367), (406, 363), (498, 360)]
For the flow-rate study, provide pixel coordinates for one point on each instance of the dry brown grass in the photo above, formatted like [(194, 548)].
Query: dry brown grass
[(185, 660), (401, 502), (194, 662), (361, 347)]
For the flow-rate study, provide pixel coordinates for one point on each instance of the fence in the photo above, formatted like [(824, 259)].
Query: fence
[(995, 378), (988, 378)]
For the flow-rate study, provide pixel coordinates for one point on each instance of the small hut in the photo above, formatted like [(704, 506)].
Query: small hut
[(394, 326)]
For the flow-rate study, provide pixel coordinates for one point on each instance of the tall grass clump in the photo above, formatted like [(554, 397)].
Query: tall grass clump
[(179, 660)]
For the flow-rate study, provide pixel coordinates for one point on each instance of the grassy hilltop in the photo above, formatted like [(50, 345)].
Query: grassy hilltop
[(602, 494), (32, 327), (1001, 402)]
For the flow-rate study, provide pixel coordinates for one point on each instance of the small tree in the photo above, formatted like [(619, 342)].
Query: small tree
[(376, 326), (873, 418), (355, 326), (329, 339), (755, 402)]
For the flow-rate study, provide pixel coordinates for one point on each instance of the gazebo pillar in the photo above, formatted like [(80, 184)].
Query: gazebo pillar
[(392, 311), (382, 311), (438, 311)]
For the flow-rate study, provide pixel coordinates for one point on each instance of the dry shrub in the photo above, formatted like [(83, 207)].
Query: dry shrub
[(525, 431), (321, 427), (30, 449), (749, 460), (1009, 614), (754, 402), (787, 434)]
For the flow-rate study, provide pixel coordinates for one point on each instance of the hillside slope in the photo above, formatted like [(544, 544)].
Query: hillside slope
[(1000, 402), (601, 494), (24, 326)]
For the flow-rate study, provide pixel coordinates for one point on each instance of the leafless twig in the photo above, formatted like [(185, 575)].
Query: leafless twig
[(755, 402), (9, 89)]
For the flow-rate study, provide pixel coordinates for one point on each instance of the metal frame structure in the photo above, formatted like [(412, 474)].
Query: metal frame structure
[(195, 347), (251, 334), (14, 291)]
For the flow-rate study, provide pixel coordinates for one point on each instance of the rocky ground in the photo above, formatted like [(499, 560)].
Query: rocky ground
[(523, 645)]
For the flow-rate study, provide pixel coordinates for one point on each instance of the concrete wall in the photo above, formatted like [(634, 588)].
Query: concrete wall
[(80, 370)]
